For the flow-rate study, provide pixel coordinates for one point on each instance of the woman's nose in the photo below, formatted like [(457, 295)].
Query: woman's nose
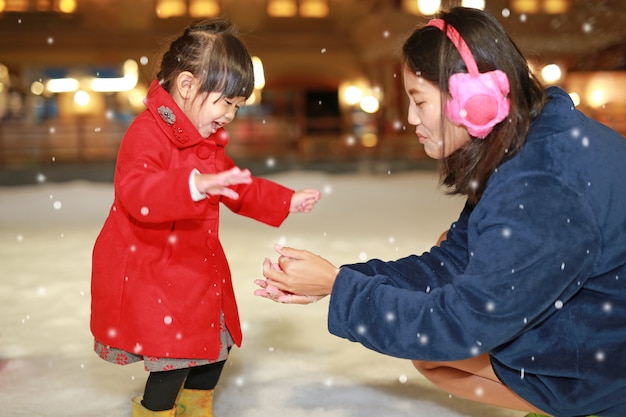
[(413, 118)]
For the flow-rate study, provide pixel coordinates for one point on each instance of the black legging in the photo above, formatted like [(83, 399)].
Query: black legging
[(163, 387)]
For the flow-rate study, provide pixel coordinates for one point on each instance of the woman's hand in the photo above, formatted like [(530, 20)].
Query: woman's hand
[(298, 274), (304, 200), (218, 184)]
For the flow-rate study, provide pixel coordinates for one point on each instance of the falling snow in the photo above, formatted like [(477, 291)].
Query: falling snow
[(288, 365)]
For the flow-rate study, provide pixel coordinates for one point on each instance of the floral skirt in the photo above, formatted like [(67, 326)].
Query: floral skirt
[(156, 364)]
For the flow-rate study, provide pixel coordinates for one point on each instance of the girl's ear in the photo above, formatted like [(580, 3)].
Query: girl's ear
[(185, 82)]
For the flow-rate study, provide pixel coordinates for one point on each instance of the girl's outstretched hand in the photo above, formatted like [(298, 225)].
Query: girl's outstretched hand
[(304, 200), (299, 277), (218, 184)]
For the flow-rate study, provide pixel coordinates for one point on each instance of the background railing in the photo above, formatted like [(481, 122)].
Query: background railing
[(96, 140)]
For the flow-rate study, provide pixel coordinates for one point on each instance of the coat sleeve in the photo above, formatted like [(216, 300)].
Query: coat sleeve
[(263, 200), (520, 268), (148, 183)]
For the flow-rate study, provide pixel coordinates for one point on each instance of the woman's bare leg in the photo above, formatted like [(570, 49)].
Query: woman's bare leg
[(473, 379)]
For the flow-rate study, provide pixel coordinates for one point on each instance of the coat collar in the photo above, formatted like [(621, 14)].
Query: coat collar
[(171, 119), (558, 114)]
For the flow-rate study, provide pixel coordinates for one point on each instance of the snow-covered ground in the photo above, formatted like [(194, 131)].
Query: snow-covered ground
[(289, 365)]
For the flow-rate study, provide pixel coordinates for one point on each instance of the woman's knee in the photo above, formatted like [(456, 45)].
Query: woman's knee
[(426, 367)]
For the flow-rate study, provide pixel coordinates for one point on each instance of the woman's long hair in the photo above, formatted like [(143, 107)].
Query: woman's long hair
[(429, 53)]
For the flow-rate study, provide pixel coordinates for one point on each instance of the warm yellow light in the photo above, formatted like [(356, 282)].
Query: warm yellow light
[(62, 85), (14, 6), (136, 98), (170, 8), (352, 95), (314, 8), (428, 7), (37, 88), (282, 8), (575, 98), (259, 74), (254, 98), (410, 6), (67, 6), (551, 73), (82, 98), (525, 6), (43, 5), (4, 74), (475, 4), (555, 6), (369, 104), (599, 88), (597, 97), (204, 8), (369, 140), (126, 83)]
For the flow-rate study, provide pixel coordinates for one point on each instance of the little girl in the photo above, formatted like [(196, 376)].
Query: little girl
[(161, 285)]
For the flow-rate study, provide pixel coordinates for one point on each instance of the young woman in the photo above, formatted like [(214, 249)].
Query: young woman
[(523, 304), (161, 286)]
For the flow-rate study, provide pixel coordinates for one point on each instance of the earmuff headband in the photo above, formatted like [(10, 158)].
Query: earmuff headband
[(459, 43), (478, 101)]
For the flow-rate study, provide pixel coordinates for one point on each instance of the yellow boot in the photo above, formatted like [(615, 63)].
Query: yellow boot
[(194, 403), (141, 411)]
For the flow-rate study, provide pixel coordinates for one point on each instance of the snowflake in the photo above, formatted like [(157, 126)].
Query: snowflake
[(585, 141)]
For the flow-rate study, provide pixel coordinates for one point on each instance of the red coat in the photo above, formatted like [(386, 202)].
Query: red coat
[(159, 275)]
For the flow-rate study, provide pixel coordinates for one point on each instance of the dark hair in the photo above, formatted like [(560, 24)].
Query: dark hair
[(429, 53), (212, 52)]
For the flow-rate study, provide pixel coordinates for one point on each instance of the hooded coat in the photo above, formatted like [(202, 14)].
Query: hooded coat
[(160, 278)]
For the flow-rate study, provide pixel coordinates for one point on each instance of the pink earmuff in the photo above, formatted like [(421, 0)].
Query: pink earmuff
[(478, 101)]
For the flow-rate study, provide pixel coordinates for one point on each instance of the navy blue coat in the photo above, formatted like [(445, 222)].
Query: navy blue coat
[(534, 275)]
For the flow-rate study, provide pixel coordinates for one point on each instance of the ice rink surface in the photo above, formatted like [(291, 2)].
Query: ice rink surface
[(289, 365)]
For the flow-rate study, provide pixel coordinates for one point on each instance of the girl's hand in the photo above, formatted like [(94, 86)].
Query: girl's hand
[(300, 273), (218, 184), (273, 293), (304, 200)]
